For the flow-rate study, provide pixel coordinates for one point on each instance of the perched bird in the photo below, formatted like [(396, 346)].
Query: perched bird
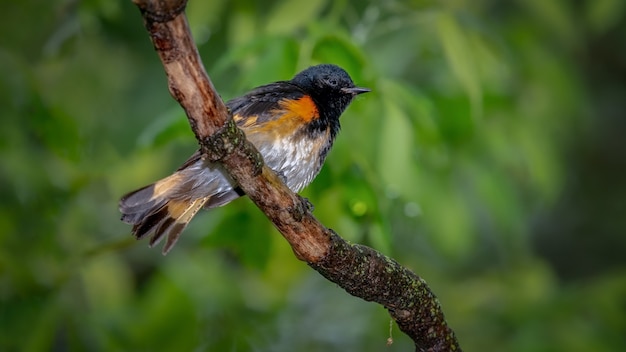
[(293, 125)]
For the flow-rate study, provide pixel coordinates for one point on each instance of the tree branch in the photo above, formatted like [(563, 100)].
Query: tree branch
[(361, 271)]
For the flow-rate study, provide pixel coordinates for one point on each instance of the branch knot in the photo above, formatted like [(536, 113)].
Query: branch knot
[(223, 142)]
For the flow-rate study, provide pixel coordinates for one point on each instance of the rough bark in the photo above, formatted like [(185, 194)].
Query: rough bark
[(361, 271)]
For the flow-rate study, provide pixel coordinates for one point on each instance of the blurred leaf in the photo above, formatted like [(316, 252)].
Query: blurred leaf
[(38, 313), (266, 59), (359, 193), (395, 158), (460, 56), (545, 173), (419, 108), (276, 61), (449, 215), (169, 126), (289, 15), (331, 209), (241, 53), (604, 14), (501, 204), (58, 132), (106, 281), (242, 25), (337, 50), (358, 141), (148, 330), (380, 238), (203, 16), (494, 68), (556, 16), (246, 233), (108, 9), (455, 122)]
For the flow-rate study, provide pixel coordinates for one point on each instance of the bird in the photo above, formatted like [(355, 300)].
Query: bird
[(293, 125)]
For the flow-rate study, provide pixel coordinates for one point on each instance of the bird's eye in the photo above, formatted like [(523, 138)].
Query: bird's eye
[(332, 82)]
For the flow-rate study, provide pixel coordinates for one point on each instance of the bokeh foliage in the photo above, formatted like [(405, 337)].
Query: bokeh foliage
[(489, 158)]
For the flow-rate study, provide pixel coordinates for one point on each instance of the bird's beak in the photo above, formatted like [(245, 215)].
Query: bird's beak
[(355, 90)]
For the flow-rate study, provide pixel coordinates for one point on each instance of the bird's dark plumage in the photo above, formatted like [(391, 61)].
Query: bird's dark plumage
[(293, 125)]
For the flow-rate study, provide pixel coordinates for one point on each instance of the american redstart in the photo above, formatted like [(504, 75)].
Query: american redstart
[(293, 125)]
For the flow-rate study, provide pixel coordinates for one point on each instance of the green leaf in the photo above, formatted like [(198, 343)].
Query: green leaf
[(242, 26), (604, 14), (203, 15), (557, 16), (264, 60), (171, 125), (246, 232), (340, 51), (419, 107), (380, 238), (275, 61), (397, 166), (448, 215), (162, 298), (458, 50), (292, 14), (106, 282), (56, 129)]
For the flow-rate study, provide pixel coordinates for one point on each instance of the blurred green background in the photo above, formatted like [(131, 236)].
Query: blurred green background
[(490, 158)]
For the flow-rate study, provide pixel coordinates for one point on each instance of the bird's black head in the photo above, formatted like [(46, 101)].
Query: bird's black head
[(331, 88)]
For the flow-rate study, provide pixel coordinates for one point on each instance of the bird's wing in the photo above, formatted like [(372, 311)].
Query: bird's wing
[(255, 109), (263, 104)]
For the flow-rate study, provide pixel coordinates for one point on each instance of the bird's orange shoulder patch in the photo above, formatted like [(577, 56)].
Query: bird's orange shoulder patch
[(303, 108), (287, 118)]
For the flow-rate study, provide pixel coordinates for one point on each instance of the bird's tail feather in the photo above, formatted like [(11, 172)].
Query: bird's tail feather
[(160, 209)]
